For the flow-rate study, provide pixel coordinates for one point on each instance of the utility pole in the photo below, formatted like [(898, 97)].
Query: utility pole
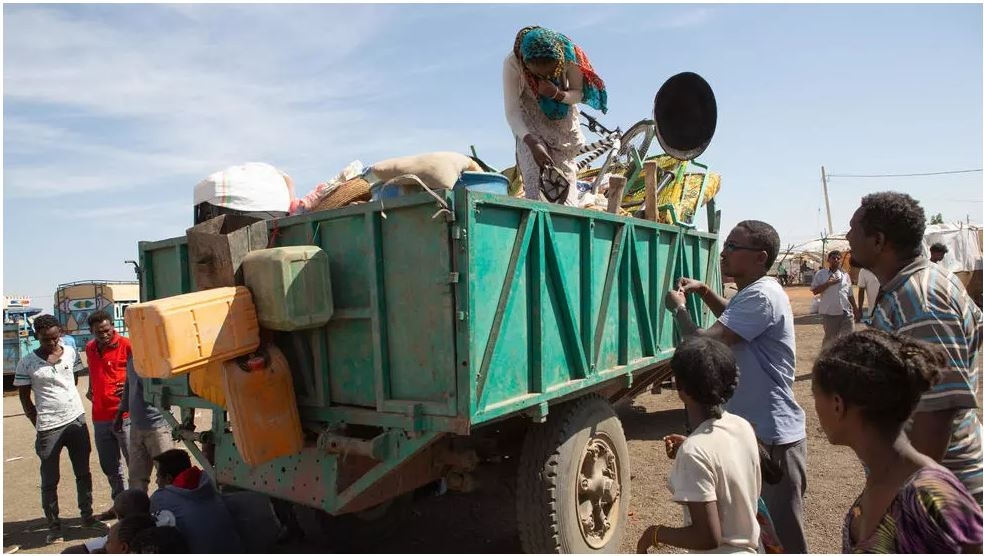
[(826, 199)]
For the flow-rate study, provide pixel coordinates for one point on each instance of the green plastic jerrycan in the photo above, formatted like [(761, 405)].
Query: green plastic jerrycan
[(291, 286)]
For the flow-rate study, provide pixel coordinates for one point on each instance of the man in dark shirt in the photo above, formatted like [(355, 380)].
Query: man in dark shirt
[(150, 434)]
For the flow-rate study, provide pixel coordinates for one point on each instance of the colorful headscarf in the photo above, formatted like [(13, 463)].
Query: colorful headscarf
[(539, 42)]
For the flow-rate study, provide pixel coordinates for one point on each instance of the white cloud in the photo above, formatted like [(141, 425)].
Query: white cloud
[(230, 84)]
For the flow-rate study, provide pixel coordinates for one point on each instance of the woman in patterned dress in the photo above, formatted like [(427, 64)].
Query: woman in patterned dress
[(865, 387), (544, 78)]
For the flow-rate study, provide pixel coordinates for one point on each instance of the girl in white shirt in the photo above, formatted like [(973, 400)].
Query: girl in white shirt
[(716, 474)]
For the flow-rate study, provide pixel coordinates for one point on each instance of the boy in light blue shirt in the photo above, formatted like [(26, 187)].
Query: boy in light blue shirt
[(757, 323)]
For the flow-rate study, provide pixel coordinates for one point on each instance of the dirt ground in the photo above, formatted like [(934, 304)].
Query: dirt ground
[(481, 522)]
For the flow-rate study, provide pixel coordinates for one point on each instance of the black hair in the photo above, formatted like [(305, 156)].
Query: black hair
[(44, 322), (706, 370), (159, 540), (896, 215), (97, 317), (132, 525), (834, 252), (172, 462), (939, 247), (883, 374), (131, 501), (762, 236)]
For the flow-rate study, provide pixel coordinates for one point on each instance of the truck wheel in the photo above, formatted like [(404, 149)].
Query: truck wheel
[(573, 483)]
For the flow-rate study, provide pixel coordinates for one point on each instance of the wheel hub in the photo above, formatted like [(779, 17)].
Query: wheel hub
[(598, 492)]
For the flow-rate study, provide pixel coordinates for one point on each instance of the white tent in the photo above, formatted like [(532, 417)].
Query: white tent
[(963, 245), (813, 252)]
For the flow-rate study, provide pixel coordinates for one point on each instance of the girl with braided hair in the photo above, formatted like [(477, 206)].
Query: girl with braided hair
[(544, 79), (866, 386), (716, 474)]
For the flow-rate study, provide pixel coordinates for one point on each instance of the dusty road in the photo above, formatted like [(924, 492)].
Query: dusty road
[(481, 522)]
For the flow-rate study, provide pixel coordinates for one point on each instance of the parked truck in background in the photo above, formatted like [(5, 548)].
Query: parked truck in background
[(18, 337), (75, 301)]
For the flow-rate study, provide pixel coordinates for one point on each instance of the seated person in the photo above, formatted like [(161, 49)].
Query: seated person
[(159, 540), (122, 533), (127, 503), (188, 494)]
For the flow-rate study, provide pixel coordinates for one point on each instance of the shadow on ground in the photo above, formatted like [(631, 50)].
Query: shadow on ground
[(481, 522), (30, 534), (638, 424)]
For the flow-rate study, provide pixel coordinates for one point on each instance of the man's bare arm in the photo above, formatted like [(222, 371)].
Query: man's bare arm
[(717, 331), (716, 303), (31, 412), (930, 433)]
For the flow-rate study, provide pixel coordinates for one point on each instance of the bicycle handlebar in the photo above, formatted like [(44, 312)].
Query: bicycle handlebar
[(594, 125)]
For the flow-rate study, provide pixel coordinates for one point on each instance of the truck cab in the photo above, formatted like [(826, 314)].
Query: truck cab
[(18, 337)]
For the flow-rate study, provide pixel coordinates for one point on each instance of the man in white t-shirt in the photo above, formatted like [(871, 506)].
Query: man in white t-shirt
[(57, 413), (837, 306), (251, 189), (867, 286)]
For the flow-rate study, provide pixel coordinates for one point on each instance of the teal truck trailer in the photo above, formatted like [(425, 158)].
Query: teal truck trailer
[(467, 327)]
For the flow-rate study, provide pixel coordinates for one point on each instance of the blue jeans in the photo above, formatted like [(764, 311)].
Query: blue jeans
[(110, 446)]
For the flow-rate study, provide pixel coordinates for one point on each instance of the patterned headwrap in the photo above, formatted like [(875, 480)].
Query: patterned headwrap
[(539, 42)]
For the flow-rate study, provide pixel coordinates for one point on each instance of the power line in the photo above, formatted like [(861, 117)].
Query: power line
[(903, 175)]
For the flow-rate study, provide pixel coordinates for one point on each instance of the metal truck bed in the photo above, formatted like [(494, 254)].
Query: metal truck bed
[(452, 311)]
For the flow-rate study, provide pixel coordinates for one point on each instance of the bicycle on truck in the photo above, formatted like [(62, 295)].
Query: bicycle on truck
[(684, 97)]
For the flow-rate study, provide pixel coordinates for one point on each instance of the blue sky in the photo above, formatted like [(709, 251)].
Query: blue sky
[(113, 113)]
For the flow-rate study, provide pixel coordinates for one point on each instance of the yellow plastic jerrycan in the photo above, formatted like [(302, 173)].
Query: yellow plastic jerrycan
[(206, 383), (176, 334), (259, 392)]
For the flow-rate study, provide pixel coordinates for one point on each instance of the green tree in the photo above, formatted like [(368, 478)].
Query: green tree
[(937, 218)]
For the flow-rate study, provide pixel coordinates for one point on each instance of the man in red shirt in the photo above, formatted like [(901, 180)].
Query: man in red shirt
[(107, 354)]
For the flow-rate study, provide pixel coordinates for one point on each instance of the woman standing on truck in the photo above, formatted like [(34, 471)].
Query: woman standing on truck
[(716, 474), (544, 78)]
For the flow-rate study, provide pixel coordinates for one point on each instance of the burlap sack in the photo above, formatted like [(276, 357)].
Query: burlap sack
[(437, 170)]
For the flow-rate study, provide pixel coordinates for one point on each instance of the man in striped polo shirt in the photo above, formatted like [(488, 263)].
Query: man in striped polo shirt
[(925, 301)]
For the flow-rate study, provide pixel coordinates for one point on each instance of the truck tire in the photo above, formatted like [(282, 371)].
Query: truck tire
[(573, 482)]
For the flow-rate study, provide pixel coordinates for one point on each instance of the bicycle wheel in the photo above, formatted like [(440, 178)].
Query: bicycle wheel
[(638, 137)]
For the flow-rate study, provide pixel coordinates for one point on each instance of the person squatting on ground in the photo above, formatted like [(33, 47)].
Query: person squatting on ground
[(925, 301), (544, 79), (49, 374), (837, 306), (716, 474), (122, 533), (159, 540), (187, 493), (865, 388), (757, 323), (107, 353), (132, 501)]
